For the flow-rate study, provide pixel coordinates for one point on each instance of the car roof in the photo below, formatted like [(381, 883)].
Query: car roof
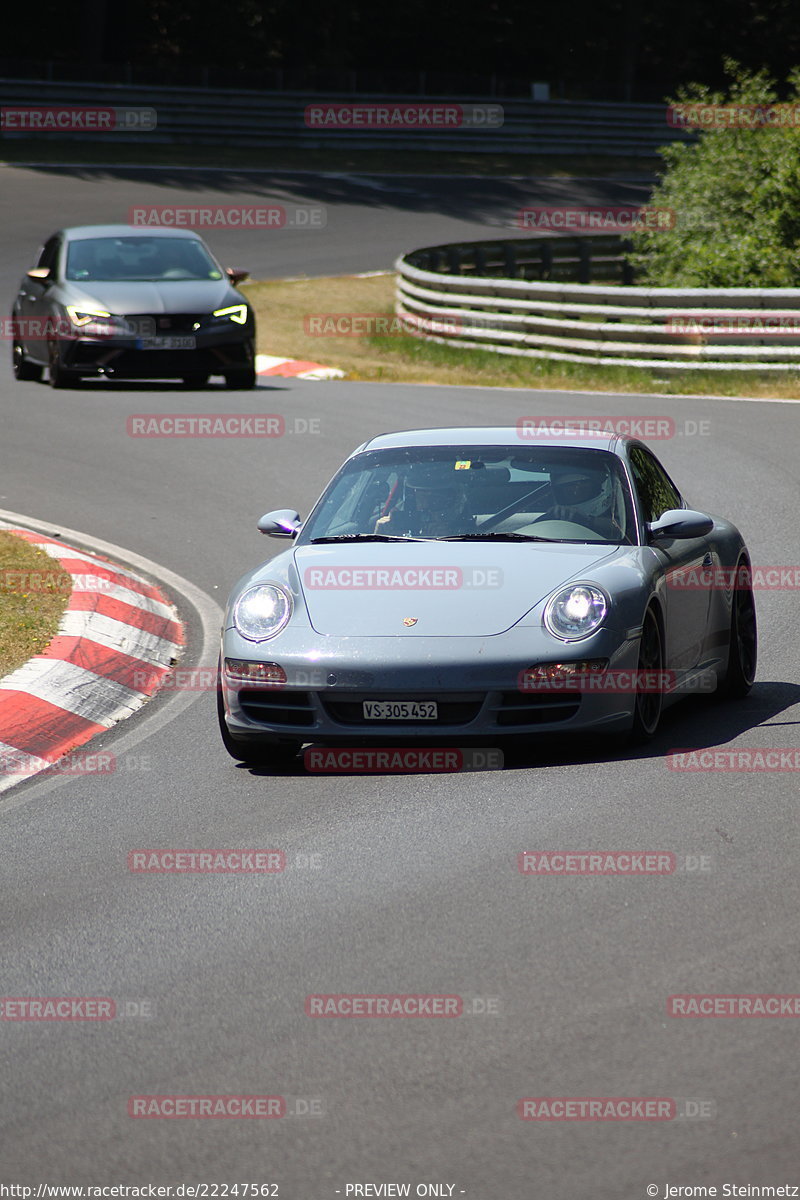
[(495, 435), (79, 233)]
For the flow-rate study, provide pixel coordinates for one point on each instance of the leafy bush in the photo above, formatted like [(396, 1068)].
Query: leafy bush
[(735, 193)]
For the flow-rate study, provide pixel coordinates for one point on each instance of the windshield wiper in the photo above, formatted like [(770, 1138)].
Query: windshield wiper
[(500, 537), (365, 537)]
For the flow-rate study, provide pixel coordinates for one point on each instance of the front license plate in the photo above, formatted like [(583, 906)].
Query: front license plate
[(167, 343), (400, 710)]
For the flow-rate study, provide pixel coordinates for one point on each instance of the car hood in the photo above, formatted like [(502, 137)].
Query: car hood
[(122, 299), (479, 588)]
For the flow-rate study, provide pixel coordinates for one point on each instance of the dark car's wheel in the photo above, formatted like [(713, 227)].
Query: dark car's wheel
[(59, 375), (254, 754), (649, 696), (195, 379), (241, 378), (743, 651), (24, 369)]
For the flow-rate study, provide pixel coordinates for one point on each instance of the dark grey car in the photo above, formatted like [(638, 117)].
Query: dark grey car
[(132, 303)]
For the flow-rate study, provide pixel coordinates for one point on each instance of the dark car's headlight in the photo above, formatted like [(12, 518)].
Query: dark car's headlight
[(234, 312), (94, 322), (576, 612), (262, 611)]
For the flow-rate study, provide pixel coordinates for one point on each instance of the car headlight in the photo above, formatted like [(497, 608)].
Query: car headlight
[(262, 611), (93, 320), (236, 313), (576, 612)]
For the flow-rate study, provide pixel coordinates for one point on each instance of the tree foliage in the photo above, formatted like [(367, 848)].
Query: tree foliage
[(735, 193)]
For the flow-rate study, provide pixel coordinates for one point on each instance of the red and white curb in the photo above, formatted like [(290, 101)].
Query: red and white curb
[(267, 365), (116, 640)]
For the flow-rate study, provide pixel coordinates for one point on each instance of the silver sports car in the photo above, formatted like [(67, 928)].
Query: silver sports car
[(454, 584)]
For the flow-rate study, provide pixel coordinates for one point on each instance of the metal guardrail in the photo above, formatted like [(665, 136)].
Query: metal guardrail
[(534, 297), (200, 116)]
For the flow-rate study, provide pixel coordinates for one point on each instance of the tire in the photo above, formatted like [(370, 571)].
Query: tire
[(23, 368), (241, 379), (743, 651), (59, 375), (648, 704), (195, 379), (254, 754)]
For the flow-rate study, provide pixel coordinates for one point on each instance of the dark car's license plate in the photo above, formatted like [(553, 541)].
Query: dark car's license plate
[(167, 343), (400, 710)]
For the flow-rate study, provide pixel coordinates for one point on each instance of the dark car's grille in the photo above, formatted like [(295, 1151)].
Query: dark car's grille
[(162, 324), (519, 708), (454, 709), (275, 707)]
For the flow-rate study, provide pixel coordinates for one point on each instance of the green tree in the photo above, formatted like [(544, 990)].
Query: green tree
[(735, 191)]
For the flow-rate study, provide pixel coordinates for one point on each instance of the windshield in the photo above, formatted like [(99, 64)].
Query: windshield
[(139, 259), (548, 493)]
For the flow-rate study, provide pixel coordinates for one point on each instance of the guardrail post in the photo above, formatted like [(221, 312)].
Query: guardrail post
[(584, 262), (480, 260), (628, 274), (546, 258), (510, 260), (454, 260)]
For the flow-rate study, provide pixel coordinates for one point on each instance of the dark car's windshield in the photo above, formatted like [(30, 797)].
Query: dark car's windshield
[(550, 493), (139, 259)]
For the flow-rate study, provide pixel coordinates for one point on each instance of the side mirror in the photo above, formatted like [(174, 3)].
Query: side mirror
[(679, 524), (281, 522), (40, 274), (236, 275)]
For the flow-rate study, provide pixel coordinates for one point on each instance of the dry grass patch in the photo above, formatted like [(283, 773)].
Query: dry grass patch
[(33, 594), (284, 309)]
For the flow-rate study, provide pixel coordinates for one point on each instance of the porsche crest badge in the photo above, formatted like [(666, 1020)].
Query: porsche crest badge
[(409, 621)]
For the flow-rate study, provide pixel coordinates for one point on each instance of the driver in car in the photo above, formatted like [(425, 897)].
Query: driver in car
[(432, 505), (585, 496)]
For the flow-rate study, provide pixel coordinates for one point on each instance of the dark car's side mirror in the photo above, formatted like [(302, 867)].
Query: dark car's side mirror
[(679, 524), (39, 274), (236, 275), (282, 523)]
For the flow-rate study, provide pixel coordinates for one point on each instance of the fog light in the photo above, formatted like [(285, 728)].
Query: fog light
[(254, 672), (552, 677)]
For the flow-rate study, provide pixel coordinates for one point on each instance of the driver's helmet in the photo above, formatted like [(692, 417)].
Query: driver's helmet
[(431, 488), (586, 489)]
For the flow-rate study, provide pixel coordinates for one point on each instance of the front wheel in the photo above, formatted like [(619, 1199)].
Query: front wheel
[(649, 696), (24, 369), (241, 378), (59, 375), (254, 754), (743, 651)]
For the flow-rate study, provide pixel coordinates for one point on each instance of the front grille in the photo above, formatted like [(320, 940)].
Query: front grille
[(276, 707), (454, 709), (161, 324), (520, 708)]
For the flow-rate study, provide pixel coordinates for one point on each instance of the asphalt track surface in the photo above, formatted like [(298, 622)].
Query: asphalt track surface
[(417, 888)]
